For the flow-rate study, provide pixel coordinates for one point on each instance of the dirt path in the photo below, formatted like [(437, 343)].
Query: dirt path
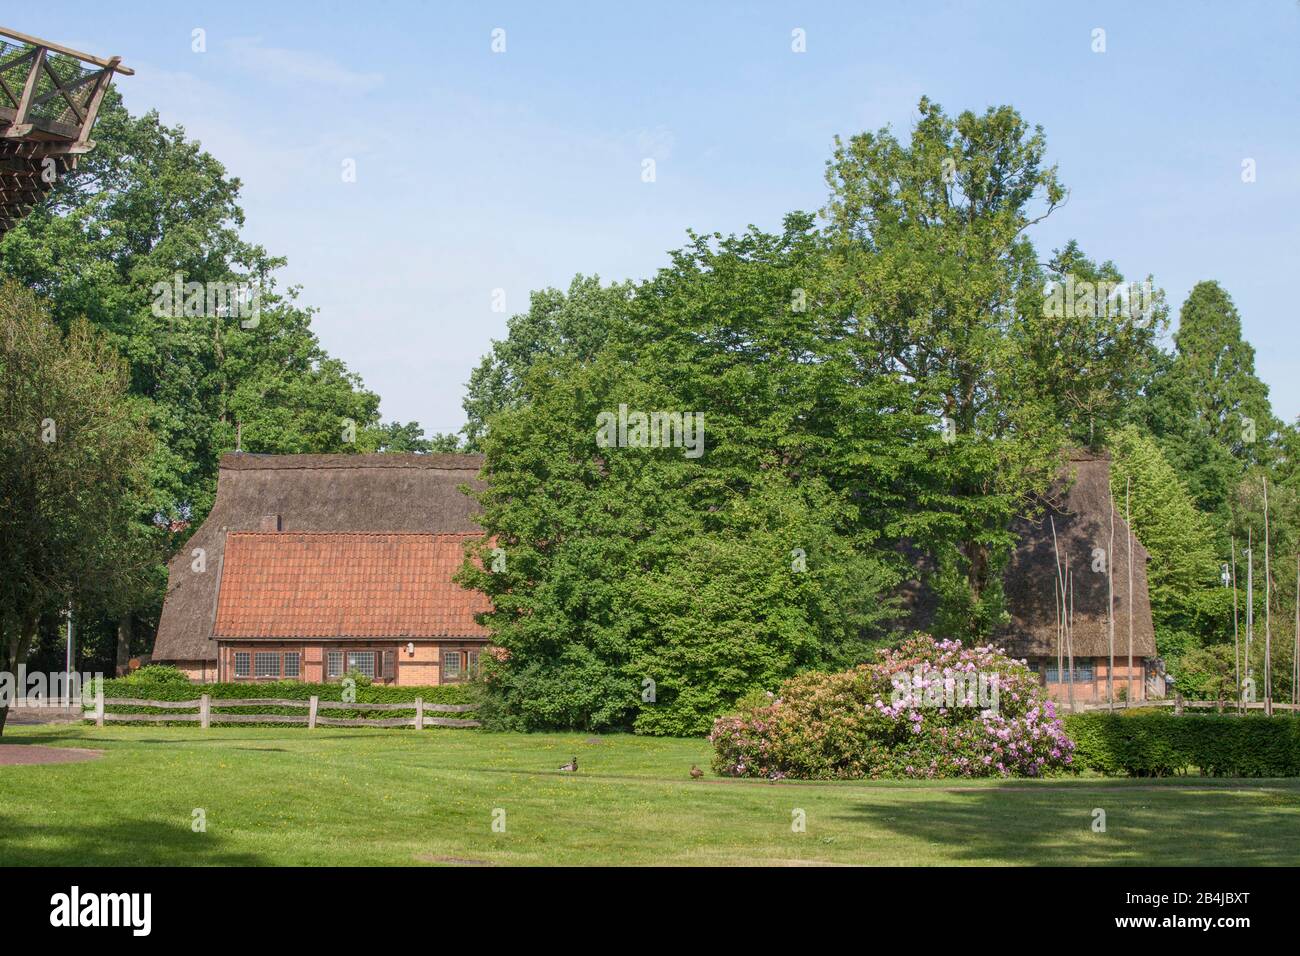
[(14, 754)]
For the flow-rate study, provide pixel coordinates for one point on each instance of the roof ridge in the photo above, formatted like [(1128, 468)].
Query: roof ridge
[(360, 534), (447, 461)]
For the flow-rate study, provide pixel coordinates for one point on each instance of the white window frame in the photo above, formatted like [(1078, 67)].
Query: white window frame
[(450, 669), (269, 658), (1085, 672), (353, 657), (247, 661), (330, 658), (296, 657)]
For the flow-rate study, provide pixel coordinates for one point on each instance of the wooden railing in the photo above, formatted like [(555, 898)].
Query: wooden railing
[(1225, 706), (209, 712), (51, 89), (50, 96)]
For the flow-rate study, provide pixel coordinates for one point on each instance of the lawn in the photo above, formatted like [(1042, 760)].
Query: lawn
[(384, 797)]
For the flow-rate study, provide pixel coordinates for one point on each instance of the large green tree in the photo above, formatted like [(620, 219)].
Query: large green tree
[(1189, 606), (1094, 350), (573, 324), (1229, 401), (74, 453), (146, 209), (929, 245), (696, 576), (1208, 408)]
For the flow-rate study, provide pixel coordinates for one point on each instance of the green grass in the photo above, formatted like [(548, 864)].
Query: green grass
[(381, 797)]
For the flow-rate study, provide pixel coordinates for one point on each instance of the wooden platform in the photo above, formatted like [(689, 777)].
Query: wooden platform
[(49, 98)]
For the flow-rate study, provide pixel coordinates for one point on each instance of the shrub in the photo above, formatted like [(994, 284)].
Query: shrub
[(158, 674), (1149, 743), (576, 691), (916, 712)]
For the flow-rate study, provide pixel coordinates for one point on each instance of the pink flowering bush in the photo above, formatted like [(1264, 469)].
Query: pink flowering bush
[(925, 709)]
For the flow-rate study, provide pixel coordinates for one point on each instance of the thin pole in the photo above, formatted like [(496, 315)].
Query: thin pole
[(1128, 524), (71, 655), (1268, 616), (1069, 630), (1110, 608), (1061, 613), (1060, 638), (1295, 649), (1250, 604), (1236, 642)]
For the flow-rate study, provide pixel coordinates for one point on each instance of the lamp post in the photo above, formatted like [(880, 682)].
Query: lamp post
[(71, 660)]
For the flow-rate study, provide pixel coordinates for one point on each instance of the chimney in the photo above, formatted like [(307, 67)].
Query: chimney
[(270, 523)]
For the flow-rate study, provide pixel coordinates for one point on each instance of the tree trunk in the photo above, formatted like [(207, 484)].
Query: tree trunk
[(123, 643)]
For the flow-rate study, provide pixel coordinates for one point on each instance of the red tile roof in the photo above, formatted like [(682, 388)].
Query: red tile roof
[(278, 585)]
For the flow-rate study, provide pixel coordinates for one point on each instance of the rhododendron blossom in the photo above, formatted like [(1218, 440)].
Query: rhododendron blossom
[(915, 712)]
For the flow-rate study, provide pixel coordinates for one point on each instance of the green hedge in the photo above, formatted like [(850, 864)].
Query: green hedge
[(1149, 743), (286, 690)]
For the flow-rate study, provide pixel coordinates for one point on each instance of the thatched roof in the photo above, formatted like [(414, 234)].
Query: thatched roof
[(1079, 504), (381, 492)]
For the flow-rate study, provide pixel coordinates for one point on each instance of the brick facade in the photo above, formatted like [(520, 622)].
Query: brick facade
[(1094, 690), (417, 663)]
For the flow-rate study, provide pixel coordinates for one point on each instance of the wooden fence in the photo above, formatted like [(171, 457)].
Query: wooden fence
[(1222, 706), (209, 712)]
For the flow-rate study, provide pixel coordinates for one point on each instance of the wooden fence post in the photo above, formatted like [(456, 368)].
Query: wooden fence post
[(99, 704), (311, 712), (419, 713), (1178, 704), (205, 711)]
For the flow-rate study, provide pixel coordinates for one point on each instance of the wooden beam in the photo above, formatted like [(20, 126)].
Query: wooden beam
[(29, 90), (65, 91), (96, 97), (4, 87)]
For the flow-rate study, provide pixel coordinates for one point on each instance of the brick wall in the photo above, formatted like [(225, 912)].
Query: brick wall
[(424, 667), (1095, 690), (418, 669)]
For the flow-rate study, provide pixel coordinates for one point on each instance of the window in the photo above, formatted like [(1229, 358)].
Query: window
[(335, 664), (266, 664), (1083, 672), (450, 664), (362, 661), (390, 665), (471, 663), (291, 664), (242, 660)]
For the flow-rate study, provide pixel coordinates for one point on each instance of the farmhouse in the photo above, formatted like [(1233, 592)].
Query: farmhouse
[(313, 566), (1079, 506)]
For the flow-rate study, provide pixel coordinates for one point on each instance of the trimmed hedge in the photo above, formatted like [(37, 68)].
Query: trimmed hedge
[(286, 690), (1150, 743)]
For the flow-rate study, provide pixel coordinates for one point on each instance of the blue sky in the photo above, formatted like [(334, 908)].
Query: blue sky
[(479, 171)]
